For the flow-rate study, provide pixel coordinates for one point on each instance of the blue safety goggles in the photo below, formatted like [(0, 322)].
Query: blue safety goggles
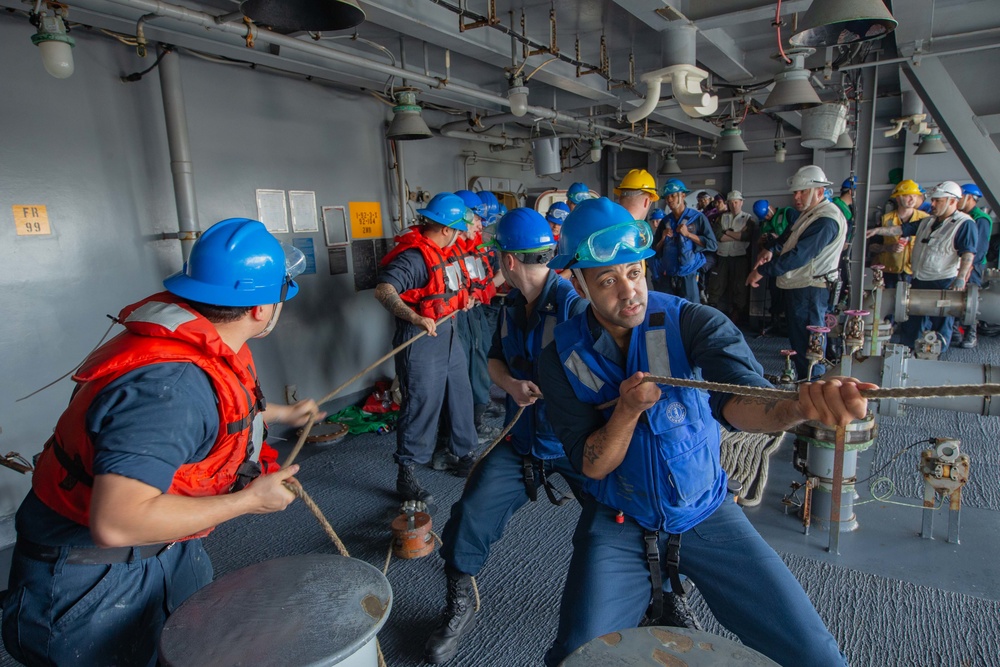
[(603, 245)]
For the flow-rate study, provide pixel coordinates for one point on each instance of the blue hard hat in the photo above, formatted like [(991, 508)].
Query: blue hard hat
[(828, 194), (657, 214), (524, 230), (850, 183), (448, 210), (578, 193), (474, 203), (557, 213), (673, 186), (760, 208), (600, 232), (237, 262), (972, 189), (491, 202), (501, 210)]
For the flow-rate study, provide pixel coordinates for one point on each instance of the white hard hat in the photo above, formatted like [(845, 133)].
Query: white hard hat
[(945, 189), (809, 176), (734, 195)]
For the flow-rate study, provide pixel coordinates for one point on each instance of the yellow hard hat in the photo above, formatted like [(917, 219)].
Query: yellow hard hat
[(639, 179), (906, 187)]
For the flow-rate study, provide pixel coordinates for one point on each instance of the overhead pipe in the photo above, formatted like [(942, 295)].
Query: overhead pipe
[(244, 31), (181, 168), (678, 47)]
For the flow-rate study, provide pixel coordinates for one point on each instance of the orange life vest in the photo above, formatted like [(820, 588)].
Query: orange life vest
[(159, 329), (477, 265), (447, 286)]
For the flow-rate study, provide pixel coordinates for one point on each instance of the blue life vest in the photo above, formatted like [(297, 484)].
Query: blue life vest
[(670, 478), (532, 434), (678, 256)]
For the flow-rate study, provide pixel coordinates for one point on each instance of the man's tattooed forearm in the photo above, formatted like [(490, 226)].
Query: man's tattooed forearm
[(594, 448), (389, 298), (768, 404)]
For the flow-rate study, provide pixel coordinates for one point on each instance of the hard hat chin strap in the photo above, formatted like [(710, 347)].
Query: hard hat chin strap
[(578, 274)]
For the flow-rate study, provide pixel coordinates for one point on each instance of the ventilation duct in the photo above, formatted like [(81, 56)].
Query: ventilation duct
[(685, 81), (311, 15)]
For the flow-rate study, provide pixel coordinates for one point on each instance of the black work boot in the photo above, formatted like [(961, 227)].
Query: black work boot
[(457, 620), (677, 612), (409, 488), (463, 466)]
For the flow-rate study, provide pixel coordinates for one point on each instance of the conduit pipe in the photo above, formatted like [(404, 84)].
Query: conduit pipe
[(180, 150), (208, 22)]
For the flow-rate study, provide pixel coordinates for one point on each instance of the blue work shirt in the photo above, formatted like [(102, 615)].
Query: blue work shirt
[(821, 233), (516, 301), (406, 271), (144, 426), (714, 347)]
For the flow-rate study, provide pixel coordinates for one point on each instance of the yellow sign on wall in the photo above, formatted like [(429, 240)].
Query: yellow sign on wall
[(31, 220), (366, 219)]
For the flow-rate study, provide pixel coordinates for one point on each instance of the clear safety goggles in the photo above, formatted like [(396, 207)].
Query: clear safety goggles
[(295, 266), (558, 214), (581, 197), (603, 246)]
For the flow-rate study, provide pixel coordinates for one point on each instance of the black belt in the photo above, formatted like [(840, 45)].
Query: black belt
[(89, 555)]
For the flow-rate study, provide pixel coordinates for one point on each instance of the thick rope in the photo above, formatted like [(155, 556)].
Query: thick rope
[(745, 457), (297, 489), (497, 441), (989, 389), (393, 352)]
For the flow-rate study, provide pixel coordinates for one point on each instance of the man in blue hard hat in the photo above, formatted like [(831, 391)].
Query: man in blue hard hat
[(519, 467), (423, 281), (475, 326), (577, 194), (162, 441), (555, 216), (656, 216), (681, 242), (971, 195), (655, 501), (805, 263)]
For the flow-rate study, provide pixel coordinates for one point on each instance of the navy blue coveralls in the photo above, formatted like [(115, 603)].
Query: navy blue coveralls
[(680, 258), (805, 305), (497, 488), (58, 612), (432, 370), (669, 481)]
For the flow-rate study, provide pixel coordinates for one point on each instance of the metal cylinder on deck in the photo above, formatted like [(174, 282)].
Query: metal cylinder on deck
[(411, 535), (313, 610), (819, 442), (657, 646)]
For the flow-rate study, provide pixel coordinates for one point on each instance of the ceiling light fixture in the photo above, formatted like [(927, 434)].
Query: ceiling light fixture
[(595, 150), (779, 144), (931, 144), (843, 22), (407, 125), (731, 140), (517, 95), (792, 90), (311, 15), (55, 45), (670, 165)]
